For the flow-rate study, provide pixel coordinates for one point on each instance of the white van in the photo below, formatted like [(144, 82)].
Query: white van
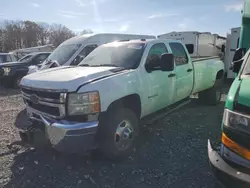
[(202, 44), (74, 50)]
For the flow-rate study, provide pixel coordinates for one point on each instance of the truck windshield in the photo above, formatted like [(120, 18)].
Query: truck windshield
[(63, 53), (126, 55)]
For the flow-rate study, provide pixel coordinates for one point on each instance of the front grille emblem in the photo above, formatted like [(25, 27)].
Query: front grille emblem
[(34, 99)]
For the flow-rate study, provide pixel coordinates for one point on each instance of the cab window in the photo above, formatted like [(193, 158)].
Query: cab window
[(8, 59)]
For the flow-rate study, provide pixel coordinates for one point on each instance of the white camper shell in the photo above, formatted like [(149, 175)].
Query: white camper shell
[(74, 50), (201, 44)]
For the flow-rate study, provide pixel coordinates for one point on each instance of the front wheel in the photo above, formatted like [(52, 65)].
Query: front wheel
[(118, 133)]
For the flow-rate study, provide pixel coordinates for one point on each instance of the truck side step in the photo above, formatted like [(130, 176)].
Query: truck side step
[(164, 112)]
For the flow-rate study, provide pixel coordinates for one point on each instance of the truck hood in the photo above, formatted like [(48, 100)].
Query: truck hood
[(67, 77), (244, 92)]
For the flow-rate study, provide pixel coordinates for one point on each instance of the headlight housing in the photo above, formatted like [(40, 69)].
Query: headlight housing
[(236, 121), (6, 70), (83, 103)]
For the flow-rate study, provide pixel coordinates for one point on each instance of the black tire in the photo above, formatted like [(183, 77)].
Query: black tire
[(107, 134), (212, 96)]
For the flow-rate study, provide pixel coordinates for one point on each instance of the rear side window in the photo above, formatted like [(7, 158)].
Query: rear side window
[(13, 58), (179, 53), (8, 59)]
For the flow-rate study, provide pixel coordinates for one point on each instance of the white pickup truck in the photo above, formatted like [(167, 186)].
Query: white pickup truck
[(99, 103)]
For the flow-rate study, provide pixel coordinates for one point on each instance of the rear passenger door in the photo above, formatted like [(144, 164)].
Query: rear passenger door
[(183, 71)]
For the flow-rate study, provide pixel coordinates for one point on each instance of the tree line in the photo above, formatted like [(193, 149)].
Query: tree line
[(25, 34)]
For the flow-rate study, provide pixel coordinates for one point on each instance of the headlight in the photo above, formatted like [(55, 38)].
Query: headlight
[(6, 70), (236, 121), (83, 103)]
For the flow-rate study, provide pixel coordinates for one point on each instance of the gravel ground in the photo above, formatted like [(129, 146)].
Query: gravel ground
[(171, 153)]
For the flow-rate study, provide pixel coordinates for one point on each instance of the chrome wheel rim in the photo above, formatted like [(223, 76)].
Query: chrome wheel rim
[(124, 135)]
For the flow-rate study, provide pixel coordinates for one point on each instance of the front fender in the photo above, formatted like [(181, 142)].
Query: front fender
[(114, 87)]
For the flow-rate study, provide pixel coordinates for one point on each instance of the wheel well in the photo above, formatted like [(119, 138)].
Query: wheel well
[(132, 102), (220, 75)]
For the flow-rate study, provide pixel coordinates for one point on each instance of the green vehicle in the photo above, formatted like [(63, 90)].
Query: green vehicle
[(232, 165)]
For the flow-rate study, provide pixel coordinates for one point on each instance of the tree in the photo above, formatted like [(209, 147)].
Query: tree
[(24, 34), (59, 33)]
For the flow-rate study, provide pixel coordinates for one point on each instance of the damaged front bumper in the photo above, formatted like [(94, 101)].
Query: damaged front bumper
[(66, 136), (225, 172)]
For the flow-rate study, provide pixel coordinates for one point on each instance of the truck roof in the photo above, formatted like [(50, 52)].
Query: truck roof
[(145, 41), (80, 39)]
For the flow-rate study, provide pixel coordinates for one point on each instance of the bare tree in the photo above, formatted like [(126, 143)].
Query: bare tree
[(24, 34), (59, 33)]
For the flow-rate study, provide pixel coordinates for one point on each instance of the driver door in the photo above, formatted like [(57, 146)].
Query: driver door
[(161, 87)]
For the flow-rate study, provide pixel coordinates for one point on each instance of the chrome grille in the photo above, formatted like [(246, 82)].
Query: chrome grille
[(49, 103)]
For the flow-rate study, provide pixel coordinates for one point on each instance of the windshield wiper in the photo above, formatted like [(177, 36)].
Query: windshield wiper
[(84, 65), (106, 65)]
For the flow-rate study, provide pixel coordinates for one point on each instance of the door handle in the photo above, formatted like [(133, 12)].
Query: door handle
[(189, 70), (171, 75)]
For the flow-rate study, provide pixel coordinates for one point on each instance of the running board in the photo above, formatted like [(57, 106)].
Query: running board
[(150, 119)]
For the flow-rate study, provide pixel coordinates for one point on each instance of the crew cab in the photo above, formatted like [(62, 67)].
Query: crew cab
[(100, 102), (11, 73)]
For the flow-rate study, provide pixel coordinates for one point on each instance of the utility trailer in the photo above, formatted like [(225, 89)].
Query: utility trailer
[(202, 44)]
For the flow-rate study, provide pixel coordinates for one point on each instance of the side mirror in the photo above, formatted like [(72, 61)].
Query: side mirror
[(236, 65), (167, 62), (75, 62), (81, 58), (153, 62), (239, 54)]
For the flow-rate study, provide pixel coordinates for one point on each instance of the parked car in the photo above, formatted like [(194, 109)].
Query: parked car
[(11, 73), (99, 103), (7, 57)]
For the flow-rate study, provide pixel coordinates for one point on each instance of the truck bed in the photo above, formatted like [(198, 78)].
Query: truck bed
[(197, 59)]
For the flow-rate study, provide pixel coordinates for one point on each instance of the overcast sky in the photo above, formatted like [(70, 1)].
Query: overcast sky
[(129, 16)]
